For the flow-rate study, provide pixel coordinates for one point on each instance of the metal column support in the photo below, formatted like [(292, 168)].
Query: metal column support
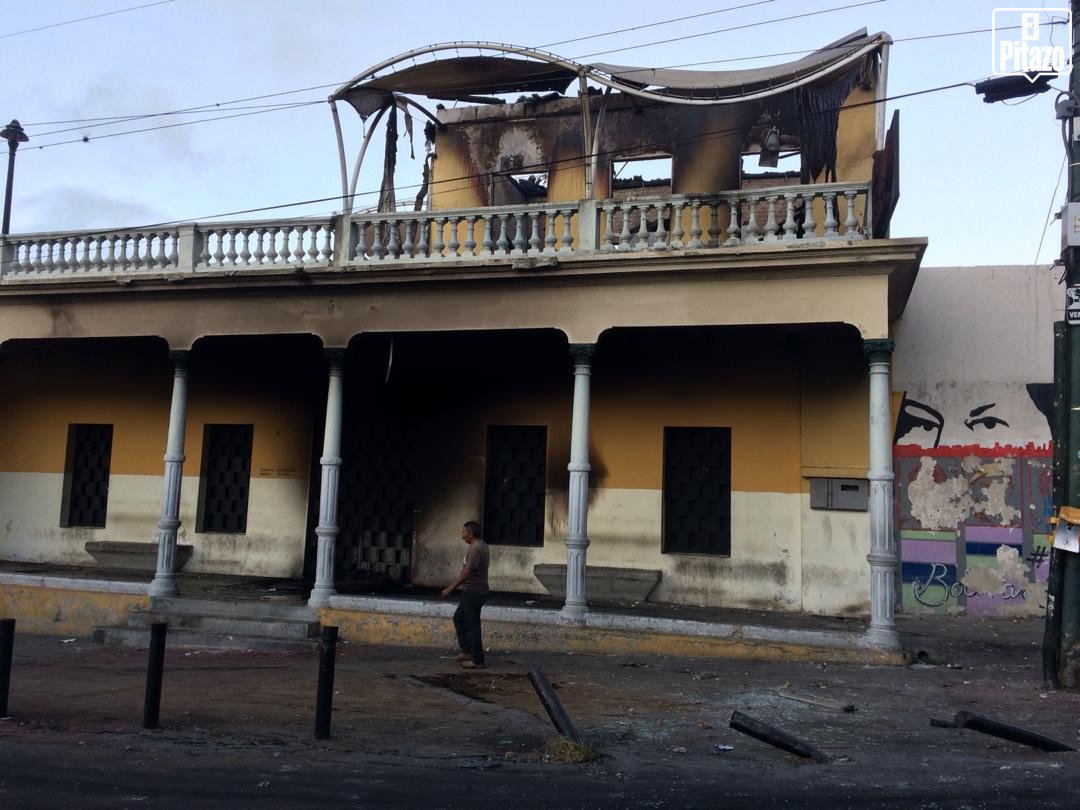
[(164, 582), (882, 557), (577, 536), (327, 530)]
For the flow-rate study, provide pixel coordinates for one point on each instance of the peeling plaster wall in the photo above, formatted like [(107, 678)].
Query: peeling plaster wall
[(973, 364)]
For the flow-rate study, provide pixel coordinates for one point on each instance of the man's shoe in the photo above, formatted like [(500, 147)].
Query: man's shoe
[(470, 664)]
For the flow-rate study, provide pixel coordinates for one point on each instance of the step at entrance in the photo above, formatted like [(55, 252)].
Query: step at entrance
[(219, 624)]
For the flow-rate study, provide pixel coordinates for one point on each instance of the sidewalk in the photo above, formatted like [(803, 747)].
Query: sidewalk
[(72, 601)]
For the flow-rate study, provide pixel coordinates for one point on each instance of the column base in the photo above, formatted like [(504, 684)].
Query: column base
[(884, 638), (163, 585), (320, 597), (576, 612)]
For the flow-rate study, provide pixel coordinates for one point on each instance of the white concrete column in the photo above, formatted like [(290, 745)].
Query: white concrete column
[(883, 558), (164, 582), (577, 522), (327, 530)]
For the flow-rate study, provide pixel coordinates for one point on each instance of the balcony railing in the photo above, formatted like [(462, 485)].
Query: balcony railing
[(833, 211)]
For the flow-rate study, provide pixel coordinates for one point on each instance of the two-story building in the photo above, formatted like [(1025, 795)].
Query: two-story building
[(685, 374)]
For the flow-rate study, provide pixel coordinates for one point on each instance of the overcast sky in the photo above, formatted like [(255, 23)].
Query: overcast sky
[(977, 179)]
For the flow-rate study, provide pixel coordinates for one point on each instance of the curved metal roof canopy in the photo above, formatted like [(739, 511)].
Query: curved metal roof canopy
[(517, 69)]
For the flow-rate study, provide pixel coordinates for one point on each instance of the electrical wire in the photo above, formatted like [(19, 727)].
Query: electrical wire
[(87, 138), (227, 105), (1050, 210), (732, 28), (83, 19), (569, 161), (895, 40), (656, 24)]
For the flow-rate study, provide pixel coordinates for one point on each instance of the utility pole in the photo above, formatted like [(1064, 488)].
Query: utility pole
[(14, 135), (1063, 591)]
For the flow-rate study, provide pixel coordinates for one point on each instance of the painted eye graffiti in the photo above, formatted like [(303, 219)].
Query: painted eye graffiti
[(978, 416)]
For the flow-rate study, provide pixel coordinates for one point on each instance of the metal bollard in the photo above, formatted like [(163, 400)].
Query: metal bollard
[(154, 670), (324, 698), (7, 644)]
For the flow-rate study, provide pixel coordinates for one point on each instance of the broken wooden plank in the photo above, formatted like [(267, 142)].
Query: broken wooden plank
[(559, 718), (776, 737), (828, 703), (1010, 732)]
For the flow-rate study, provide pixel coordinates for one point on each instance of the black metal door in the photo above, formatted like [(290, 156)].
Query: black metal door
[(697, 490), (376, 502), (515, 482)]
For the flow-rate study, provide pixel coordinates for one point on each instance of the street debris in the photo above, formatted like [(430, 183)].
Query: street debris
[(776, 737), (561, 749), (828, 703), (722, 747), (559, 718), (1009, 732)]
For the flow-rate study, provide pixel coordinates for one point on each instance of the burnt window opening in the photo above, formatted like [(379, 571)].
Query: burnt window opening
[(85, 495), (641, 176), (532, 187), (225, 479)]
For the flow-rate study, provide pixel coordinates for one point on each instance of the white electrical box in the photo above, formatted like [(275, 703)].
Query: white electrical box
[(1070, 225)]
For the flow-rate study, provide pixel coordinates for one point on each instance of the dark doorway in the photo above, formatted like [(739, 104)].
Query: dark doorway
[(516, 476), (697, 490)]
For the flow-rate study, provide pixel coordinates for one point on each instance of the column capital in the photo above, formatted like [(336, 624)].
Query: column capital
[(582, 353), (335, 358), (878, 348), (180, 359)]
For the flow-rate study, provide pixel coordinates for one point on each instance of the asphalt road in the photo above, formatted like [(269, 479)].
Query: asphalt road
[(413, 730)]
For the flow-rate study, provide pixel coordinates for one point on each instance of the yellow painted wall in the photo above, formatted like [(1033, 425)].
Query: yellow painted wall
[(835, 404), (48, 386), (128, 384), (744, 379)]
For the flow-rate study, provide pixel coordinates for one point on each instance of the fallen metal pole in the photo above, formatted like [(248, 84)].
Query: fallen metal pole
[(324, 697), (154, 672), (559, 718), (775, 737), (1009, 732), (7, 644)]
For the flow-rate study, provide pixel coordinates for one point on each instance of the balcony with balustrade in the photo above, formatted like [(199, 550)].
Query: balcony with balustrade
[(518, 236), (709, 205)]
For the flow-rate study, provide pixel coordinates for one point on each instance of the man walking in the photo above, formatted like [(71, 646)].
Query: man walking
[(473, 580)]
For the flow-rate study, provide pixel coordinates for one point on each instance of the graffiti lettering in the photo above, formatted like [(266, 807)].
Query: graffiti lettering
[(1038, 555), (936, 580), (943, 591)]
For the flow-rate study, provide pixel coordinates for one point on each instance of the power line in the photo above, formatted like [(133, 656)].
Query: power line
[(701, 137), (655, 24), (87, 138), (849, 47), (1050, 210), (287, 106), (732, 28), (186, 109), (113, 120), (223, 109), (83, 19)]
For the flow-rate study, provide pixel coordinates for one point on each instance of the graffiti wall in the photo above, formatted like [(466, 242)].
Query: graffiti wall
[(972, 454)]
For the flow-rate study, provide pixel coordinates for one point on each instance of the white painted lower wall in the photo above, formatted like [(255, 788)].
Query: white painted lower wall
[(273, 544), (835, 573), (764, 570)]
